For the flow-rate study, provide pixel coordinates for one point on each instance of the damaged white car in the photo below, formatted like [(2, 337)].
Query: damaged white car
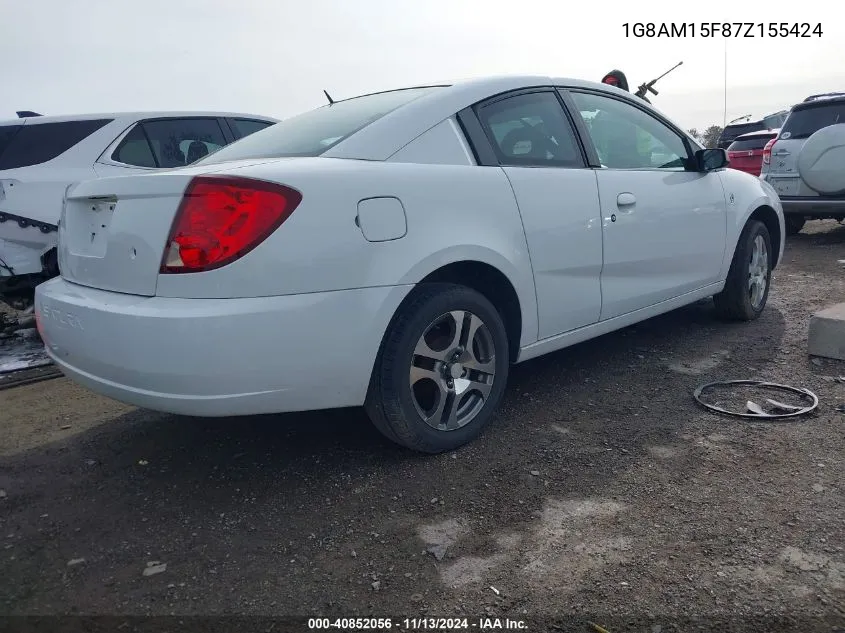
[(41, 156)]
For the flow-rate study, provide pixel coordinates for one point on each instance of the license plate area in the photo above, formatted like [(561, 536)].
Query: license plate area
[(87, 227), (785, 186)]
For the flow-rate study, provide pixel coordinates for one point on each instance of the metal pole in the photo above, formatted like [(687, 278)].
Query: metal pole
[(725, 118)]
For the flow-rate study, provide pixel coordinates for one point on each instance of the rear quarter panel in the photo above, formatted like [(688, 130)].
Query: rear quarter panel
[(37, 191), (454, 213)]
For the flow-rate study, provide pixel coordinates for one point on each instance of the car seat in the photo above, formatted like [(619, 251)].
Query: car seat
[(196, 150), (526, 142)]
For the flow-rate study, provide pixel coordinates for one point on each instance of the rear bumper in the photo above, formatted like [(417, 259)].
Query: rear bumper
[(811, 206), (218, 357)]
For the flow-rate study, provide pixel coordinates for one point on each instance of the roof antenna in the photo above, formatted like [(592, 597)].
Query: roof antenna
[(329, 97), (26, 113)]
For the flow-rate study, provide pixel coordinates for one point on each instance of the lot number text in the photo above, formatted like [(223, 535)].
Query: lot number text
[(722, 29)]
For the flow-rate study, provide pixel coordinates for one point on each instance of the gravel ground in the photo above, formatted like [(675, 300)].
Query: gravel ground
[(601, 492)]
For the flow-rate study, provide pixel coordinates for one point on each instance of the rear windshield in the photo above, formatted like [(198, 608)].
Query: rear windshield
[(774, 121), (314, 132), (36, 143), (755, 142), (6, 134), (732, 131), (806, 121)]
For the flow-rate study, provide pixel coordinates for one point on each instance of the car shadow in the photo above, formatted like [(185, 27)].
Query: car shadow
[(819, 232)]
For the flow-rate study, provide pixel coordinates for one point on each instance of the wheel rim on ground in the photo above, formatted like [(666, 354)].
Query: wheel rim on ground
[(758, 272), (452, 370)]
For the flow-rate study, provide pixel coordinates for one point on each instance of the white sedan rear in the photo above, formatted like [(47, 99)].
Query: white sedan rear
[(399, 251)]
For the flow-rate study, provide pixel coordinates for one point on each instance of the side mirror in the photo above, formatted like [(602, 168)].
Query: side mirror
[(711, 159)]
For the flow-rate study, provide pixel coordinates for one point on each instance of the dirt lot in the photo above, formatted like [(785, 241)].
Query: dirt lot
[(602, 492)]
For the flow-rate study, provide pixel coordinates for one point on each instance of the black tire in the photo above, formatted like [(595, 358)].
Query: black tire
[(390, 401), (794, 224), (734, 302)]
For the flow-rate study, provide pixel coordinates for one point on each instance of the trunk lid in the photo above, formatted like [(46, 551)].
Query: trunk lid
[(112, 234), (112, 231)]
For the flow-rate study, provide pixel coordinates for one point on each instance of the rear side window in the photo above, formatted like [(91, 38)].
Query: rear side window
[(245, 127), (804, 122), (37, 143), (744, 145), (168, 143), (134, 149), (314, 132), (531, 130), (180, 142)]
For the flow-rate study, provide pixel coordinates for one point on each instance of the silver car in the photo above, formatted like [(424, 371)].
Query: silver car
[(780, 161)]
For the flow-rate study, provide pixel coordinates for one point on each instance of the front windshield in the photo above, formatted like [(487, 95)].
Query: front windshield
[(314, 132)]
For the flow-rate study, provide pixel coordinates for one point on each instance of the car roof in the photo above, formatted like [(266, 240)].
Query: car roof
[(131, 116), (386, 135), (814, 100)]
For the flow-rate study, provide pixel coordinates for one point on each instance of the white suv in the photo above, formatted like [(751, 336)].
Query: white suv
[(41, 156), (781, 164)]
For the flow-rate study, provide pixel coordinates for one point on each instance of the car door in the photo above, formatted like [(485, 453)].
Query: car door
[(162, 143), (663, 222), (534, 142)]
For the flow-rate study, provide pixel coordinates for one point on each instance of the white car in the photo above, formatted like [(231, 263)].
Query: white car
[(400, 250), (40, 156)]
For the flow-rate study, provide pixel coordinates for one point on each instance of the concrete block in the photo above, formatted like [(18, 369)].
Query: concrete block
[(827, 333)]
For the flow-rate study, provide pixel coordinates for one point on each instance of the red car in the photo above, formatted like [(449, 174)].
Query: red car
[(746, 151)]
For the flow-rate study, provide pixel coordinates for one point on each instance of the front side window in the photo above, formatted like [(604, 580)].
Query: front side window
[(626, 137), (531, 130)]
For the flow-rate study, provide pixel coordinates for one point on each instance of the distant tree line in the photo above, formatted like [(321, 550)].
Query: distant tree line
[(708, 137)]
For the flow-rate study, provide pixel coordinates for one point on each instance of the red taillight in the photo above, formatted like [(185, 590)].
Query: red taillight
[(222, 218), (767, 152)]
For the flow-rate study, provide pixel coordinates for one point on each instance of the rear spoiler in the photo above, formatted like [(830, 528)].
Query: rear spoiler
[(25, 113)]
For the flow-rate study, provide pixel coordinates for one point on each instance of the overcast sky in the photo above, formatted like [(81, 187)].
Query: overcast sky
[(275, 57)]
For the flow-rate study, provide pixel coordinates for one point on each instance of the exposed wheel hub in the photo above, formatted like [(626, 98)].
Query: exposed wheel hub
[(453, 368)]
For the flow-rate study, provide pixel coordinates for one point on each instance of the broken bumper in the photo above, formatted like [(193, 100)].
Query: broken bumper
[(23, 243)]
